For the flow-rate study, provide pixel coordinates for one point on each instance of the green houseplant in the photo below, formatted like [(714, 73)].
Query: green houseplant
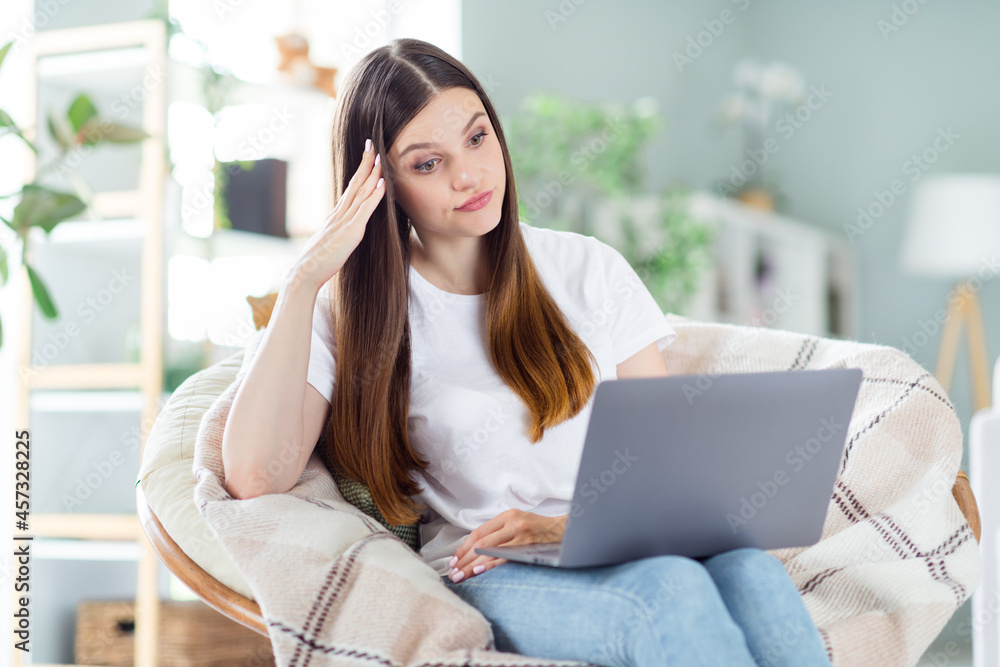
[(78, 128), (573, 158)]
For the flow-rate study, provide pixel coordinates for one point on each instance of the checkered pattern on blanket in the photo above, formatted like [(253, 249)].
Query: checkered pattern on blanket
[(895, 560)]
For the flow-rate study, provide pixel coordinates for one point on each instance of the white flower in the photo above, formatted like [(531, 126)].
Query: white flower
[(781, 82), (732, 108), (747, 74), (645, 107)]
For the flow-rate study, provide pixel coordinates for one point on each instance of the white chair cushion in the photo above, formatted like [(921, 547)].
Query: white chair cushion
[(166, 476)]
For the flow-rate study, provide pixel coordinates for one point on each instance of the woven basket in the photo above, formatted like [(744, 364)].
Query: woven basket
[(191, 634)]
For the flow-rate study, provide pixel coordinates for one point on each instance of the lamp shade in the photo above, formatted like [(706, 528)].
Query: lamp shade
[(954, 225)]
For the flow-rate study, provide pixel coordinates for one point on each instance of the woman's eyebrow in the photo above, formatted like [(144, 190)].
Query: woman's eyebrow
[(414, 147)]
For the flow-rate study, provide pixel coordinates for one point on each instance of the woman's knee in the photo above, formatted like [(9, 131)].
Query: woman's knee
[(660, 584)]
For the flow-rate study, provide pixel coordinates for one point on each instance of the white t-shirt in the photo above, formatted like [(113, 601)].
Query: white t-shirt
[(468, 423)]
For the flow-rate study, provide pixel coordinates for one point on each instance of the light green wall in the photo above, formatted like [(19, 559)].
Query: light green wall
[(890, 95)]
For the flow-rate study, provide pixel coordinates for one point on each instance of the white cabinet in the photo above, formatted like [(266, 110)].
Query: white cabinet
[(766, 270), (776, 272)]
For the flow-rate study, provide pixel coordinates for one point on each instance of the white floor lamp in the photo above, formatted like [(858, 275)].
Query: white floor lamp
[(954, 231)]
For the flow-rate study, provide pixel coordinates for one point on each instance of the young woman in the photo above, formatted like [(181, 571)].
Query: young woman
[(446, 354)]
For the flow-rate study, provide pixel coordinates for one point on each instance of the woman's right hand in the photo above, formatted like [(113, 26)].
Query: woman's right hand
[(327, 250)]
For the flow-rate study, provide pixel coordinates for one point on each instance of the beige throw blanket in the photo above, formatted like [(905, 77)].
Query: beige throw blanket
[(896, 558)]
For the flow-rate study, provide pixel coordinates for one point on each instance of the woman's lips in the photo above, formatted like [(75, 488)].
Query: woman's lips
[(478, 203)]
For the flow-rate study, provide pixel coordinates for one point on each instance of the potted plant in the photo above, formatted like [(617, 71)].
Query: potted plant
[(579, 167), (761, 90), (41, 206)]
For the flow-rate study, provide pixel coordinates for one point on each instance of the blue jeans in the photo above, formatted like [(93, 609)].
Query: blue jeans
[(736, 608)]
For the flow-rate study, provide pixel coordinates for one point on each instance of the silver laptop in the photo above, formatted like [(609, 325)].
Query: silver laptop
[(695, 465)]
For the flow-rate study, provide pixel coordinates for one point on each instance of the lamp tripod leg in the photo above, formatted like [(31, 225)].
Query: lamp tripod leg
[(948, 349), (979, 363)]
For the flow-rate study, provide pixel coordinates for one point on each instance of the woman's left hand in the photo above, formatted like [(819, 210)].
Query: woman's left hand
[(510, 528)]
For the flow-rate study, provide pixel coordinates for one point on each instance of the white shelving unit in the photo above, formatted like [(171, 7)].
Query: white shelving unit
[(808, 286), (96, 371)]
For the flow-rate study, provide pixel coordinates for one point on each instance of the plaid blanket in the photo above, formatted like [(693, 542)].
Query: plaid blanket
[(895, 560)]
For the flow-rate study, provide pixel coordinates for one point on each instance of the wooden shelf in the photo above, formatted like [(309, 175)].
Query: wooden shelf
[(68, 549), (86, 526), (89, 231), (101, 59), (87, 376), (129, 400)]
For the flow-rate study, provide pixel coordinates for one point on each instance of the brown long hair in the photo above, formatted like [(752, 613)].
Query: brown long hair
[(532, 347)]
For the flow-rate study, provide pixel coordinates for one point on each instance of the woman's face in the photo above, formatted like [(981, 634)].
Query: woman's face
[(444, 157)]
